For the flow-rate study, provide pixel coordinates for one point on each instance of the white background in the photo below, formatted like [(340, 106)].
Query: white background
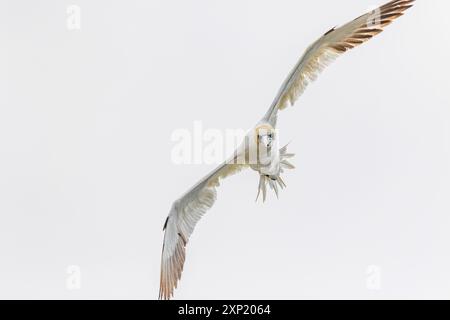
[(86, 176)]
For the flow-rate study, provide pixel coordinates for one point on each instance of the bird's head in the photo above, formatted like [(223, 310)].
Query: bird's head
[(265, 136)]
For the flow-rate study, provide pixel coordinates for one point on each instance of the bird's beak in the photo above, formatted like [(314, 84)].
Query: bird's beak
[(266, 141)]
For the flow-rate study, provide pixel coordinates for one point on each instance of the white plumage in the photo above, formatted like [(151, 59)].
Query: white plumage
[(261, 141)]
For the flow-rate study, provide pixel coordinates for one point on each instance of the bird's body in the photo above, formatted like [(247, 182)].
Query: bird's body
[(260, 150)]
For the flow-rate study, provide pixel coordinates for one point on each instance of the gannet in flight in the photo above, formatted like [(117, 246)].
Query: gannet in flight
[(259, 150)]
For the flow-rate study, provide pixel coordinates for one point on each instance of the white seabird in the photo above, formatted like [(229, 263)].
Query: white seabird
[(259, 150)]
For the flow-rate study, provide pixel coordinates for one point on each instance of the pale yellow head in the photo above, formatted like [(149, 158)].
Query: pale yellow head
[(265, 135)]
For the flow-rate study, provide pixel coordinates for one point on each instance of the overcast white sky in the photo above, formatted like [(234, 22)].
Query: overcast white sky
[(86, 177)]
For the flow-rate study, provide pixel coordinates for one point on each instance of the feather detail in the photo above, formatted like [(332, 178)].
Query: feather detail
[(330, 46), (182, 219), (276, 181)]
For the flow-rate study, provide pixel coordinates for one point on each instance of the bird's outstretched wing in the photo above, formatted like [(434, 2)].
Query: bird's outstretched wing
[(332, 44), (180, 224)]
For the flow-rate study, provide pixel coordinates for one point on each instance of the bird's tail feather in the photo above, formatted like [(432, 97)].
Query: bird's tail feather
[(275, 182)]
